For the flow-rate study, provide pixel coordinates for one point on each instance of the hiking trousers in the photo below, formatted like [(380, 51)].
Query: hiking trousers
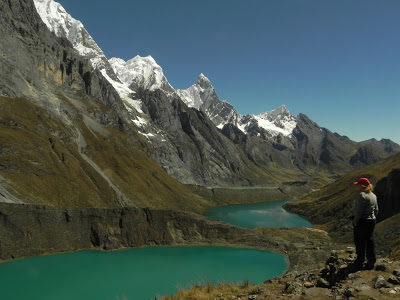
[(364, 241)]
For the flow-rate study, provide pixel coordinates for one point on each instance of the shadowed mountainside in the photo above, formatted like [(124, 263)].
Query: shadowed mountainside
[(331, 206)]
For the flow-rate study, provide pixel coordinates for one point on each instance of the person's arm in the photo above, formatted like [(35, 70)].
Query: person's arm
[(376, 209), (358, 209)]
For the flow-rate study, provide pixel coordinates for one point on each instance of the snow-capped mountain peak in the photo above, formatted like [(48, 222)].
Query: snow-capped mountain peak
[(279, 120), (144, 72), (203, 81), (199, 93), (56, 18), (63, 24), (141, 72), (281, 111)]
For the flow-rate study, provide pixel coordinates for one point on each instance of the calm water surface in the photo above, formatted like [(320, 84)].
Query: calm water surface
[(137, 274), (265, 214)]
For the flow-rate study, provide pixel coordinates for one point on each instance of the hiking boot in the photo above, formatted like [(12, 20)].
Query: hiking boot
[(354, 267), (369, 265)]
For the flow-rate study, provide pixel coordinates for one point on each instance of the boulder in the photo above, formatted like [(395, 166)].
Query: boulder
[(293, 287), (394, 279), (323, 283), (349, 292), (363, 286), (381, 267), (379, 282)]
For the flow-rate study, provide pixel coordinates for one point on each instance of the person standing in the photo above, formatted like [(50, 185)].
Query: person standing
[(364, 219)]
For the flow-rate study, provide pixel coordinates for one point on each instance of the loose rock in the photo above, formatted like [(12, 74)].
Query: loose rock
[(353, 276), (308, 284), (349, 292), (379, 282), (381, 267), (393, 279), (363, 286), (323, 283), (293, 288)]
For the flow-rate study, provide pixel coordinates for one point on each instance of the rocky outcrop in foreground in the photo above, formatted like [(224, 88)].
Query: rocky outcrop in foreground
[(336, 280), (339, 279)]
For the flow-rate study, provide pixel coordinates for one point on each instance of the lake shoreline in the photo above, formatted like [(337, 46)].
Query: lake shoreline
[(269, 214), (30, 230), (33, 230), (132, 273)]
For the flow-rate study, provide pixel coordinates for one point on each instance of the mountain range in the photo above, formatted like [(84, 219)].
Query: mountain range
[(109, 132), (106, 154)]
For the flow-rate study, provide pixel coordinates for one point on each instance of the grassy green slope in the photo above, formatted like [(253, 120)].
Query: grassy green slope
[(331, 206), (40, 161)]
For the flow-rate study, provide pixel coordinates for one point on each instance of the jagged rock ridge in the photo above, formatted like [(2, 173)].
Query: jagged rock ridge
[(246, 149), (67, 138)]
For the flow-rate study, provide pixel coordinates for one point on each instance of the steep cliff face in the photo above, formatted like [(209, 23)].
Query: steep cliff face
[(64, 25), (97, 116), (29, 230), (281, 144), (202, 96), (36, 64), (66, 136), (278, 139), (141, 72), (193, 149), (388, 191)]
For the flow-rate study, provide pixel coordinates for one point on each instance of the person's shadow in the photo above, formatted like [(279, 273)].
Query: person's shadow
[(353, 268), (343, 273)]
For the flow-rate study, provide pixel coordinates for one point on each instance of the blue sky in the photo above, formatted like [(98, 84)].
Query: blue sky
[(337, 61)]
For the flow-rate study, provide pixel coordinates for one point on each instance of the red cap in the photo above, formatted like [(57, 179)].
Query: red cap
[(363, 181)]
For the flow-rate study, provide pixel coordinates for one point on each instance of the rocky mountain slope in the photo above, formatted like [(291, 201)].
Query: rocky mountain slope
[(66, 136), (183, 143), (276, 142), (279, 138), (141, 72), (78, 117)]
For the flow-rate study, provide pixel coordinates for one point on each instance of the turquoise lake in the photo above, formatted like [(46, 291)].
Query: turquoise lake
[(265, 215), (137, 274), (146, 273)]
